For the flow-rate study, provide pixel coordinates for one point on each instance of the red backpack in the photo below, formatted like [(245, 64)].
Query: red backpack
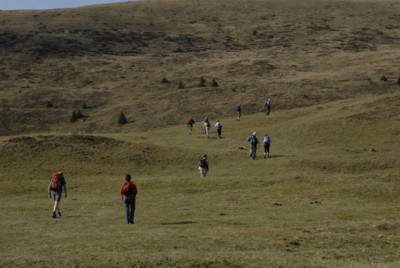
[(55, 182), (127, 189)]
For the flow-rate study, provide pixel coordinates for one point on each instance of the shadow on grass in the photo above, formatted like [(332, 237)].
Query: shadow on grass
[(178, 222), (280, 155)]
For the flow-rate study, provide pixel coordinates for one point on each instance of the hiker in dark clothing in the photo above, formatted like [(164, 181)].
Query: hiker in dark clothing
[(238, 112), (254, 142), (268, 106), (189, 125), (218, 126), (203, 166), (267, 143)]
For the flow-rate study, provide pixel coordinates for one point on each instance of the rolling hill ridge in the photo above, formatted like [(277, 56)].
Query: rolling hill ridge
[(102, 60)]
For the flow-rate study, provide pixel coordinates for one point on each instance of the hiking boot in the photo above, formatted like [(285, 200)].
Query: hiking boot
[(265, 156), (54, 215), (59, 214)]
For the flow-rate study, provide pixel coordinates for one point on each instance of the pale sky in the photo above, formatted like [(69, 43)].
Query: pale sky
[(51, 4)]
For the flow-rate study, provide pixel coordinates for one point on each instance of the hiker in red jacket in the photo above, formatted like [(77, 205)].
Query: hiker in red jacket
[(128, 193), (189, 125), (56, 186)]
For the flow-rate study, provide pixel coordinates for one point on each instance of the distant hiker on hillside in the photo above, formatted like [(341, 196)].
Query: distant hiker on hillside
[(128, 193), (203, 166), (268, 106), (206, 126), (56, 186), (218, 126), (253, 143), (189, 125), (267, 143), (238, 112)]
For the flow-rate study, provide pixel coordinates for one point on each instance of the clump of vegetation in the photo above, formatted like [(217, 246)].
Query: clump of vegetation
[(49, 104), (398, 81), (255, 33), (215, 83), (122, 119), (181, 85), (76, 116), (84, 106), (384, 78), (164, 80), (202, 82)]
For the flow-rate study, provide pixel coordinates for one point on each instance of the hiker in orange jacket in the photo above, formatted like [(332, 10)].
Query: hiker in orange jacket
[(128, 193), (56, 186)]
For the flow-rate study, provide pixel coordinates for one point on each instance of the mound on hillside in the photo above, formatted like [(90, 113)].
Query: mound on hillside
[(83, 153)]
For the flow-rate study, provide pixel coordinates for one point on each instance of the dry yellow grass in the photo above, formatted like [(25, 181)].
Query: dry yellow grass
[(113, 58)]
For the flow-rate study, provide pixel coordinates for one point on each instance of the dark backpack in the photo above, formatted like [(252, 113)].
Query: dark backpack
[(127, 189), (56, 182), (203, 163), (254, 141)]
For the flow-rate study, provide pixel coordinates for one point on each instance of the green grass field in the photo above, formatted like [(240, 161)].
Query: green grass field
[(327, 197)]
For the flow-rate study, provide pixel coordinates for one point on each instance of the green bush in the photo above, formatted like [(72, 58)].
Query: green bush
[(74, 117), (202, 82), (164, 80), (384, 78), (122, 119), (398, 81), (215, 83)]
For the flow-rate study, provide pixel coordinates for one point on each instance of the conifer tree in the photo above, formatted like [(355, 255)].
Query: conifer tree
[(214, 83), (74, 117), (122, 119), (202, 82)]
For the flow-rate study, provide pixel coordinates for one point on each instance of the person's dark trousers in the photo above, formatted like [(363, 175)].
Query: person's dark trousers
[(253, 151), (219, 132), (130, 204), (266, 148)]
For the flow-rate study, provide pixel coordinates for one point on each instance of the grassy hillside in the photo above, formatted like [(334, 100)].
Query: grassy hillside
[(102, 60), (327, 197)]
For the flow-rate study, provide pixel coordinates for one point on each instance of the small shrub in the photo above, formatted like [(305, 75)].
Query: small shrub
[(215, 83), (384, 78), (84, 106), (398, 81), (74, 117), (122, 119), (202, 82), (255, 33), (164, 80), (49, 104), (181, 86)]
